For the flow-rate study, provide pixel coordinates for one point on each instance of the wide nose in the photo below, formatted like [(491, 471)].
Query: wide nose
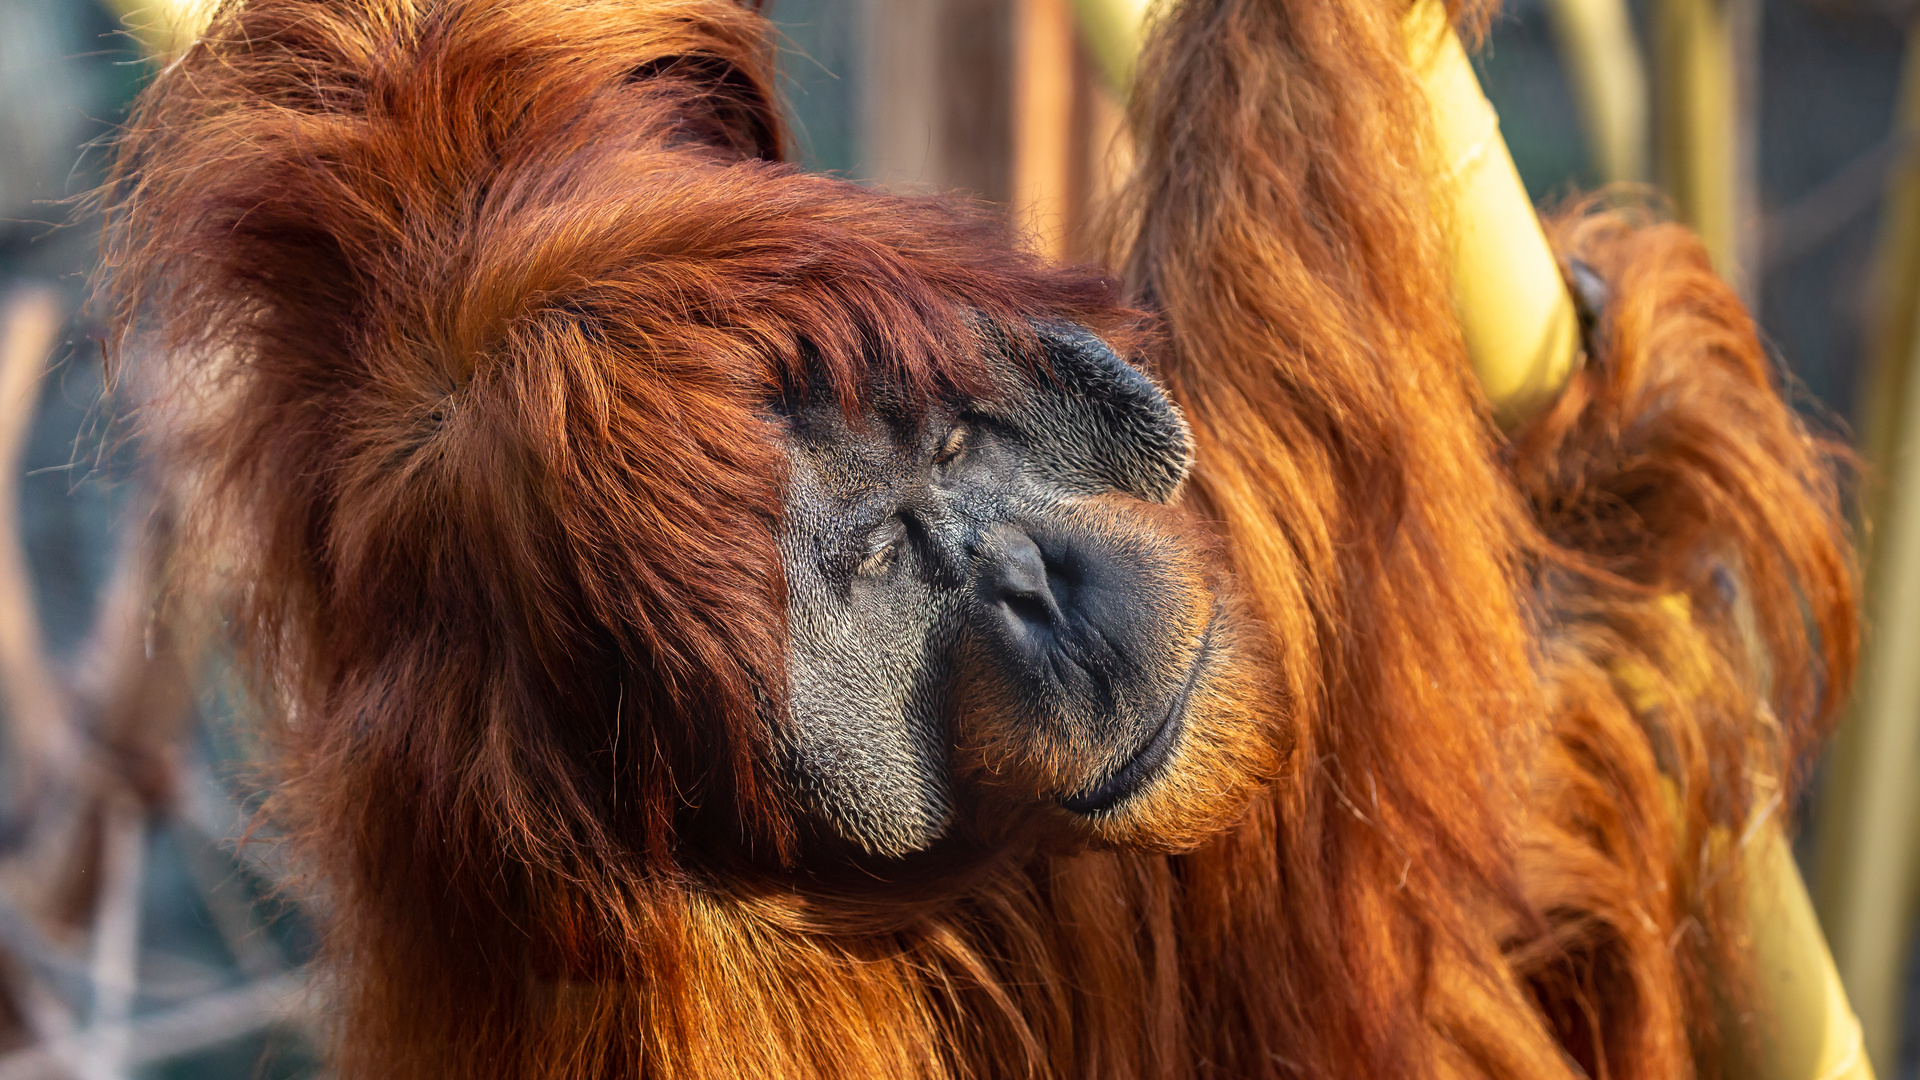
[(1023, 589)]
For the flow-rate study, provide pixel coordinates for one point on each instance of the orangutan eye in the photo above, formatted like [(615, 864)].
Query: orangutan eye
[(954, 446), (883, 548)]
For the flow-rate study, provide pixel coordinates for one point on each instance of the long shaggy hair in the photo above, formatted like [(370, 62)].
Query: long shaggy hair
[(467, 312), (1548, 681)]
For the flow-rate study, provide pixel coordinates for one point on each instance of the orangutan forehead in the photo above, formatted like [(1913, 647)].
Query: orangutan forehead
[(1097, 422), (863, 451)]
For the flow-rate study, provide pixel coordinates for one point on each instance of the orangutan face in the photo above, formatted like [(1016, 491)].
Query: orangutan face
[(995, 615)]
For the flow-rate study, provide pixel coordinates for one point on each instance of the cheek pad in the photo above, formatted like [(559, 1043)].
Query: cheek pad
[(865, 744)]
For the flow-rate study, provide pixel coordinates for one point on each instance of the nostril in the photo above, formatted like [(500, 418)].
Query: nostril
[(1028, 608), (1017, 578)]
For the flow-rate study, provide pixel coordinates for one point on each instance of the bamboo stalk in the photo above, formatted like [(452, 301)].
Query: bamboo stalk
[(1609, 83), (1811, 1033), (1896, 273), (1867, 835), (1867, 840), (1704, 58), (1518, 320)]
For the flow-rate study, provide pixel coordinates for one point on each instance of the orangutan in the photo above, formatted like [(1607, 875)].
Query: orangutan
[(710, 619)]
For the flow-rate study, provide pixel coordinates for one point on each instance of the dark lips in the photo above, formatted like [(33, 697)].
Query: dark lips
[(1148, 761)]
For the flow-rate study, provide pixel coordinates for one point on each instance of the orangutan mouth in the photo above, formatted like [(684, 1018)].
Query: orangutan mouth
[(1150, 760)]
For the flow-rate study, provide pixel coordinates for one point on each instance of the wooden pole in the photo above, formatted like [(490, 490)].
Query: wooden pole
[(1043, 95), (937, 96), (900, 105), (36, 707)]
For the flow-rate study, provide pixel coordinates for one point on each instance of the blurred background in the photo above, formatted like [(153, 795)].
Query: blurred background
[(139, 936)]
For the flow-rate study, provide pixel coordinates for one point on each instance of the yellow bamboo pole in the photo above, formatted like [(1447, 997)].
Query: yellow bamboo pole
[(1798, 974), (1609, 83), (1868, 837), (1519, 322), (1519, 325)]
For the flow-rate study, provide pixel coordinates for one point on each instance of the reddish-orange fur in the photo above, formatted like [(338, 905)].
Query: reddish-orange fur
[(505, 581), (1527, 647)]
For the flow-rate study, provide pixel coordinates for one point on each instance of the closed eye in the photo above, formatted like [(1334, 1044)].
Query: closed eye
[(883, 549), (954, 446)]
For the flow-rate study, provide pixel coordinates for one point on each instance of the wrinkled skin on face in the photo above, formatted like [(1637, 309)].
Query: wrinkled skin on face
[(995, 617)]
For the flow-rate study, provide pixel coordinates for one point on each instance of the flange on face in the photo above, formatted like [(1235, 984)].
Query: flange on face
[(994, 606)]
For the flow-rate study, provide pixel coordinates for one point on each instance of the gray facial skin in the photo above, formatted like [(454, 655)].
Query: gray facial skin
[(908, 537)]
